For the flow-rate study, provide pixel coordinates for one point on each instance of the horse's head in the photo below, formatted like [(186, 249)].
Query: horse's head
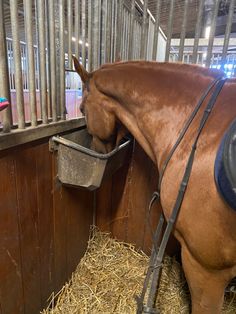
[(97, 109)]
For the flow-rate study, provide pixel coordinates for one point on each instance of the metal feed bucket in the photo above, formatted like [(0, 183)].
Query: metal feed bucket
[(80, 166)]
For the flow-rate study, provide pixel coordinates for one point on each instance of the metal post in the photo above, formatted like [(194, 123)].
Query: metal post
[(103, 30), (42, 59), (198, 31), (144, 31), (156, 29), (90, 17), (17, 63), (84, 33), (4, 82), (227, 32), (119, 29), (108, 31), (62, 58), (96, 34), (52, 55), (183, 31), (212, 33), (69, 32), (169, 30), (113, 30), (30, 56), (77, 28), (131, 35)]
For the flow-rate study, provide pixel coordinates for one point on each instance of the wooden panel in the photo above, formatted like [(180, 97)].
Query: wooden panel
[(79, 207), (11, 293), (45, 220), (60, 231), (104, 204), (44, 228), (26, 180)]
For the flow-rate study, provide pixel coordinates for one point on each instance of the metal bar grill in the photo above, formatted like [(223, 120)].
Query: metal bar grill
[(212, 33), (42, 59), (52, 59), (77, 27), (30, 55), (84, 33), (156, 29), (4, 83), (62, 58), (183, 31), (96, 34), (144, 31), (169, 30), (131, 37), (198, 30), (17, 64), (108, 31), (90, 18), (228, 31), (69, 32)]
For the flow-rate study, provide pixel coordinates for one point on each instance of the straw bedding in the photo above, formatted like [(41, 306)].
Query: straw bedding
[(109, 276)]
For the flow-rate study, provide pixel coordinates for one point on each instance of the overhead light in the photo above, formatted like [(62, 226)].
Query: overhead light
[(207, 32), (73, 39)]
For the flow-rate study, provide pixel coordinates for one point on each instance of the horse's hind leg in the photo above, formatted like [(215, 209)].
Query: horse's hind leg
[(206, 287)]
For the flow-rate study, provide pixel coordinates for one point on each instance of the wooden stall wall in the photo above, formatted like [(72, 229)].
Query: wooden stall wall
[(44, 228), (122, 203)]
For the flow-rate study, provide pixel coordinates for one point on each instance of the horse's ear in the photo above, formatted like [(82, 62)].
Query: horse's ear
[(84, 75)]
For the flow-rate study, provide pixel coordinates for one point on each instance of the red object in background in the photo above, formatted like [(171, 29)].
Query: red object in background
[(3, 103)]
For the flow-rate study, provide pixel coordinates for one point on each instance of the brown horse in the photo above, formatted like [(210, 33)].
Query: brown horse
[(153, 101)]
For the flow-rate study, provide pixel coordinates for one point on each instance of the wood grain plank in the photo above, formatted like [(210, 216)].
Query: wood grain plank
[(120, 197), (79, 207), (104, 206), (60, 230), (26, 187), (45, 220), (10, 258)]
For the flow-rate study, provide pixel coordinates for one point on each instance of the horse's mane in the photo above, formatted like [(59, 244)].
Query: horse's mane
[(167, 66)]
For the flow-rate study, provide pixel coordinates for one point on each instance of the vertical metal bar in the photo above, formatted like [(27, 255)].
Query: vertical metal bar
[(30, 56), (103, 30), (83, 32), (77, 28), (90, 14), (198, 30), (227, 32), (131, 35), (113, 23), (119, 29), (96, 33), (62, 58), (108, 31), (169, 30), (42, 59), (69, 32), (183, 31), (156, 29), (212, 33), (4, 82), (48, 64), (144, 31), (52, 57), (17, 63)]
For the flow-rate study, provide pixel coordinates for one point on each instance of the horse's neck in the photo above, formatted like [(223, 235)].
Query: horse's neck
[(154, 104), (158, 117)]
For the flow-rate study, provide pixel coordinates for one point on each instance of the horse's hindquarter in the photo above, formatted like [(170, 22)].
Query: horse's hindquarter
[(206, 224)]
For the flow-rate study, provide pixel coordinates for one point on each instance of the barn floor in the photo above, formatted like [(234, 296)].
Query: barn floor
[(111, 274)]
